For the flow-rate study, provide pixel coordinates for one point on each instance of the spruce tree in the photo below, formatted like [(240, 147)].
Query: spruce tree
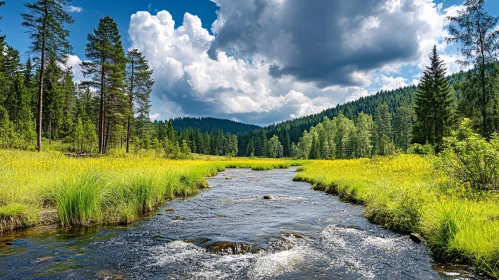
[(106, 69), (139, 89), (45, 21), (433, 104)]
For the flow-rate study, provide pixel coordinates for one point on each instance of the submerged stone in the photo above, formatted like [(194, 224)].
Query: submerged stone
[(228, 247)]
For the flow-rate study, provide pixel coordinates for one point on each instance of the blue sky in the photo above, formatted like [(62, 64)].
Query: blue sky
[(93, 10), (265, 61)]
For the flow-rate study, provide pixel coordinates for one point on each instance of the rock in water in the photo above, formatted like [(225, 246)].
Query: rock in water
[(227, 247), (415, 237)]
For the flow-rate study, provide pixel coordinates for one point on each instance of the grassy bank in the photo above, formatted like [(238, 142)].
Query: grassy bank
[(50, 187), (406, 194)]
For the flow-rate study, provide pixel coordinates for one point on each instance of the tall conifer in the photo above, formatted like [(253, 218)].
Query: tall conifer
[(106, 68), (433, 104), (45, 21)]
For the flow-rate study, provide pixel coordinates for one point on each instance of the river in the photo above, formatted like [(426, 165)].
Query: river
[(228, 231)]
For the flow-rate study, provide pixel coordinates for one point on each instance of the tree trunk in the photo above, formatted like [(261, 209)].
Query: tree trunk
[(101, 110), (107, 135), (42, 72), (484, 100), (129, 129), (50, 129)]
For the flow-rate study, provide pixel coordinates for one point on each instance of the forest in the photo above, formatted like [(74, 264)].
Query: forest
[(109, 109), (423, 159)]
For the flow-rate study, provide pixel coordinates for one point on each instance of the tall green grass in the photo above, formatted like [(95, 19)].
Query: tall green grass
[(406, 194), (79, 199), (111, 189)]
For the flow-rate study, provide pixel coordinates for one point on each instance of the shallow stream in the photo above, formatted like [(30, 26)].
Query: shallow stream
[(229, 232)]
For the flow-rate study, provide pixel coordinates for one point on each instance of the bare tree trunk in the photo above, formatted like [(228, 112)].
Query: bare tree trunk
[(129, 129), (42, 72), (50, 129), (101, 111), (107, 135)]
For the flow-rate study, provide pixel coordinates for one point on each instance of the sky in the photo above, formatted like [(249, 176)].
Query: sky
[(264, 61)]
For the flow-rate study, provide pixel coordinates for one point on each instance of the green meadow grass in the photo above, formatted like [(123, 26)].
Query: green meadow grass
[(406, 194)]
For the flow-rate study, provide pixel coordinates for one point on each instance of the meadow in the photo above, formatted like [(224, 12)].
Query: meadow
[(408, 194), (404, 193), (53, 188)]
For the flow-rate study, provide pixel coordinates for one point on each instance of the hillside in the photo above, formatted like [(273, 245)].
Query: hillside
[(293, 129), (212, 125)]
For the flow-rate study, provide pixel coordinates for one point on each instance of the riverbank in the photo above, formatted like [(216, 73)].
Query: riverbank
[(53, 188), (407, 194)]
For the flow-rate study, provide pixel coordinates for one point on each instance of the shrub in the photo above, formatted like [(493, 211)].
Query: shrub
[(418, 149), (470, 160)]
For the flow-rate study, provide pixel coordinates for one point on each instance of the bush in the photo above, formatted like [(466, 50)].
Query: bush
[(470, 160), (418, 149)]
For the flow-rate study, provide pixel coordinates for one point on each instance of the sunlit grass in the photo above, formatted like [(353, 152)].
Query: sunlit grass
[(406, 194), (113, 189)]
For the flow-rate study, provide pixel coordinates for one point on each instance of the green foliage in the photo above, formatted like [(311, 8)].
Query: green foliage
[(433, 105), (139, 85), (275, 149), (212, 125), (106, 69), (476, 32), (470, 160), (79, 199), (418, 149), (45, 22)]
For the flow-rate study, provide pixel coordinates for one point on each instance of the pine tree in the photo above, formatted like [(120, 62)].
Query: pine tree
[(402, 128), (45, 22), (139, 89), (433, 104), (478, 35), (106, 69)]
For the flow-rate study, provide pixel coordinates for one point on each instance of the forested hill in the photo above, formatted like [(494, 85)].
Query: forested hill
[(290, 131), (394, 99), (212, 125)]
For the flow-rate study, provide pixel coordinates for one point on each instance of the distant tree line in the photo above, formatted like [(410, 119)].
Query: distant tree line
[(110, 109)]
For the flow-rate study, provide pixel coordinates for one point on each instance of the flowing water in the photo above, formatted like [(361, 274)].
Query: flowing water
[(229, 232)]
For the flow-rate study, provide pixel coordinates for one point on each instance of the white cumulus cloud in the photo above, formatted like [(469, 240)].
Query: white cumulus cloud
[(74, 9), (267, 61)]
